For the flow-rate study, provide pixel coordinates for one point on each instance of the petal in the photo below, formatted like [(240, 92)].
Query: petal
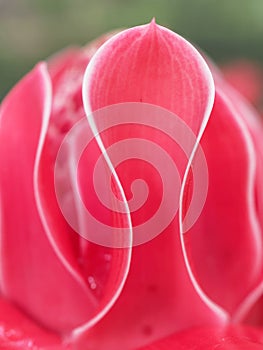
[(66, 70), (101, 271), (180, 82), (61, 62), (31, 274), (19, 332), (225, 245), (158, 299), (153, 65), (254, 126), (231, 337), (254, 315)]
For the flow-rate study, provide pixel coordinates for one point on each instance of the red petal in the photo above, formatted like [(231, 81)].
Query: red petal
[(158, 299), (228, 338), (101, 271), (255, 315), (255, 127), (154, 65), (18, 332), (32, 275), (225, 245), (253, 123)]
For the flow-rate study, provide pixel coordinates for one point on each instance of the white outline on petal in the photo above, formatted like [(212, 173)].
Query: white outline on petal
[(97, 317), (220, 312)]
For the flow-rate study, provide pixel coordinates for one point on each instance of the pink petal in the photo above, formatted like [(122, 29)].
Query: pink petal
[(26, 255), (225, 245), (255, 126), (181, 82), (66, 69), (31, 274), (154, 65), (101, 271), (19, 332), (59, 63), (157, 300), (255, 315), (228, 338)]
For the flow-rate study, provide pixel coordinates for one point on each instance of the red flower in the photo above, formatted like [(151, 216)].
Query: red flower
[(175, 256)]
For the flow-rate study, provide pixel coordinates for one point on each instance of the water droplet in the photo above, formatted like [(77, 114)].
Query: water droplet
[(92, 282)]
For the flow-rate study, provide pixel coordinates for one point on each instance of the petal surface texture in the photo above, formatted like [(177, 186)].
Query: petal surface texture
[(228, 338), (152, 65), (225, 244), (47, 281), (101, 271), (19, 332)]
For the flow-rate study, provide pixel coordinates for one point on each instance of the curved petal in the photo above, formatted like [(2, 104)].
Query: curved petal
[(61, 62), (253, 315), (66, 70), (19, 332), (158, 299), (161, 68), (254, 126), (231, 337), (99, 270), (149, 64), (32, 275), (225, 245)]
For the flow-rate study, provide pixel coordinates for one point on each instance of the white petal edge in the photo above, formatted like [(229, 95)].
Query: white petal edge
[(46, 116), (251, 120), (44, 128), (255, 293), (220, 312)]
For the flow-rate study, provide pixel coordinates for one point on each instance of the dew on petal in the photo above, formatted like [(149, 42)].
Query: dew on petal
[(92, 283)]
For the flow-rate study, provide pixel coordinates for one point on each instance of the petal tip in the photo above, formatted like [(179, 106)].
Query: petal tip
[(153, 22)]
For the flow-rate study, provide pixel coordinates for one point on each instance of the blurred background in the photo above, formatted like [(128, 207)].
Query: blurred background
[(31, 30)]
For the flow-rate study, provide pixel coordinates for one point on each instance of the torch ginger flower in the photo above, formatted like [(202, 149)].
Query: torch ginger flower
[(164, 248)]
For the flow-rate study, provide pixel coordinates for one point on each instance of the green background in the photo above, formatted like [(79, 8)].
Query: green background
[(31, 30)]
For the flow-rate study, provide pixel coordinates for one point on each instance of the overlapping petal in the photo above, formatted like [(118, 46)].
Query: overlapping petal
[(19, 332), (225, 245), (99, 296), (32, 275), (101, 271), (224, 338), (153, 65)]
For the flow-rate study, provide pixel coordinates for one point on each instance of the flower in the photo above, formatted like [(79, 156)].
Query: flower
[(166, 241)]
